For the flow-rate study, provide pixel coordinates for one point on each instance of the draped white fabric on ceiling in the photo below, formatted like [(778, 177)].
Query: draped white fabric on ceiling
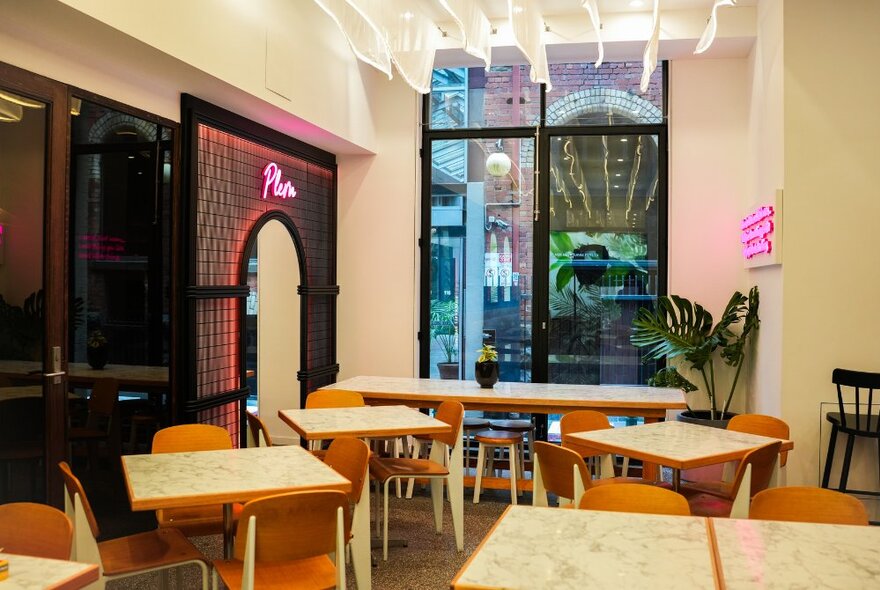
[(593, 11), (527, 25), (474, 25), (712, 26), (365, 41), (649, 61)]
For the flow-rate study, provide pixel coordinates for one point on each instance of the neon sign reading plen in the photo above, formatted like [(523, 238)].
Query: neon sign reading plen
[(272, 185), (757, 231)]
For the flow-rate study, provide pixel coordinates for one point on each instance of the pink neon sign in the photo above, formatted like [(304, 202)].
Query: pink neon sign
[(272, 185), (757, 230)]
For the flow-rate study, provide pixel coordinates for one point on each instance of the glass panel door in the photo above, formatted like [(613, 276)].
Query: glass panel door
[(23, 132), (482, 195), (604, 247)]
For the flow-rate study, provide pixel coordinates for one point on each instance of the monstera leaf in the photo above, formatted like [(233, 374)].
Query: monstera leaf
[(676, 327)]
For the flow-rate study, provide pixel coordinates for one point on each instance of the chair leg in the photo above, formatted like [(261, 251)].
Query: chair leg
[(437, 503), (847, 458), (481, 456), (215, 582), (416, 453), (829, 457), (511, 451), (385, 522), (204, 567)]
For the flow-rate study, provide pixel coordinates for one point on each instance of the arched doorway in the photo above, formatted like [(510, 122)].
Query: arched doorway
[(272, 323)]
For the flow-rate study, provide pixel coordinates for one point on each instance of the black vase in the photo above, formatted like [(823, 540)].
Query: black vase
[(486, 373), (96, 356)]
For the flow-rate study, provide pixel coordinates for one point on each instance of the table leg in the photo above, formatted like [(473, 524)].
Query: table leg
[(227, 531), (676, 479)]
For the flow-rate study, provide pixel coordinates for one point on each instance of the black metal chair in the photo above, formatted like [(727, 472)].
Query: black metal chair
[(863, 420)]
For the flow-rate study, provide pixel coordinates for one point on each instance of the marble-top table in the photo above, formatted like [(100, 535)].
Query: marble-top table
[(21, 391), (768, 555), (361, 422), (38, 573), (532, 548), (133, 377), (678, 445), (177, 480), (542, 398)]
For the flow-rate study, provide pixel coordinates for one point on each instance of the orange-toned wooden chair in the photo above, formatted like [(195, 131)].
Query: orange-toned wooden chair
[(635, 497), (283, 542), (763, 426), (445, 463), (718, 498), (807, 504), (587, 421), (35, 529), (258, 434), (563, 472), (102, 423), (331, 398), (195, 520), (158, 549), (350, 457)]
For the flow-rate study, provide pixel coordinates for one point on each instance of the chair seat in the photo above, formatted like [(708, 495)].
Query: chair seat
[(511, 425), (147, 550), (195, 521), (619, 479), (709, 505), (498, 437), (867, 426), (384, 468), (475, 423), (314, 573)]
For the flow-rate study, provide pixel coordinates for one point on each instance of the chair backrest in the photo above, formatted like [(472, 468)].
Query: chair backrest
[(74, 487), (35, 529), (583, 421), (350, 457), (292, 526), (452, 413), (557, 466), (763, 462), (635, 497), (763, 426), (102, 402), (866, 406), (191, 437), (334, 398), (806, 504), (259, 432)]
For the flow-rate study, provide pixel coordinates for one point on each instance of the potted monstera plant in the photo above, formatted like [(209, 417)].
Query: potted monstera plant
[(444, 331), (679, 329)]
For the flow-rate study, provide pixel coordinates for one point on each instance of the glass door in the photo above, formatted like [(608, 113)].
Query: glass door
[(481, 229), (32, 384)]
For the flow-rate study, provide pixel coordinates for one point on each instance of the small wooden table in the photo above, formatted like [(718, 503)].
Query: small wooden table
[(177, 480), (33, 573), (678, 445), (533, 548), (766, 555)]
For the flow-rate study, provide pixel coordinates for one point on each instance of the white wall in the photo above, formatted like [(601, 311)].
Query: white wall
[(708, 115), (278, 329), (832, 283)]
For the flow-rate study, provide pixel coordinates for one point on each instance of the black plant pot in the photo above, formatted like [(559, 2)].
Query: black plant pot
[(702, 417), (448, 370), (96, 356), (486, 373)]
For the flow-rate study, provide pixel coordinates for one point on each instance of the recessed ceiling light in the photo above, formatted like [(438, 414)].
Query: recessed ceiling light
[(616, 186), (637, 3), (623, 140), (131, 157), (620, 159), (407, 15), (618, 174)]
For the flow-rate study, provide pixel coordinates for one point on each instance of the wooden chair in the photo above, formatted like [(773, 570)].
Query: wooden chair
[(862, 421), (587, 421), (283, 542), (331, 398), (258, 434), (102, 423), (159, 549), (35, 529), (807, 504), (193, 521), (350, 457), (763, 426), (445, 463), (755, 473), (635, 497), (563, 472)]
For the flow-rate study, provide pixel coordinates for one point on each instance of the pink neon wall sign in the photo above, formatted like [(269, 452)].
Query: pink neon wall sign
[(757, 232), (272, 184)]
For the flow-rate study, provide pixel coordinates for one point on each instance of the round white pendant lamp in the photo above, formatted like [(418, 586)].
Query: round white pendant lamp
[(498, 164)]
